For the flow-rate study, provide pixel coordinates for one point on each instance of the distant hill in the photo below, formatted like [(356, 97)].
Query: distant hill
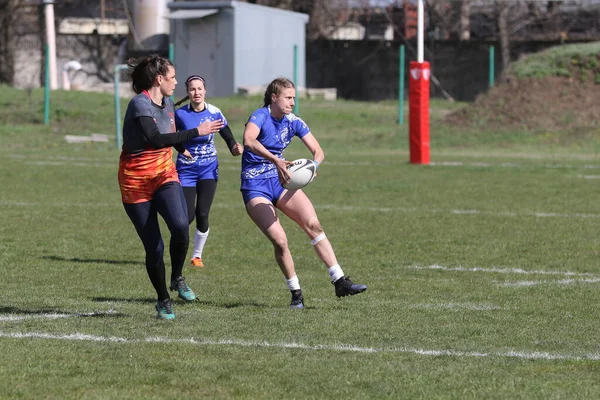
[(554, 90)]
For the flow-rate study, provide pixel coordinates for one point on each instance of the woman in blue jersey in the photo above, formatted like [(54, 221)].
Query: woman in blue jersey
[(268, 132), (197, 163)]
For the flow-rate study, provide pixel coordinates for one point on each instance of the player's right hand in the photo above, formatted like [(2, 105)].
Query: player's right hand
[(208, 127)]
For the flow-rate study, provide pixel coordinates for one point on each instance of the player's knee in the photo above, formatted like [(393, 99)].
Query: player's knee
[(280, 244), (155, 253), (314, 226)]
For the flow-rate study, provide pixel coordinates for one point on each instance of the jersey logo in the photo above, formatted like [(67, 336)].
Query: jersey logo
[(283, 137)]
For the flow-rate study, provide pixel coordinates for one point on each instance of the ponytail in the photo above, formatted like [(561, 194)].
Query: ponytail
[(145, 70), (186, 98)]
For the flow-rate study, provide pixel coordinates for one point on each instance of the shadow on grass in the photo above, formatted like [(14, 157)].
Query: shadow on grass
[(180, 303), (92, 260), (56, 312), (123, 300), (17, 310), (234, 304)]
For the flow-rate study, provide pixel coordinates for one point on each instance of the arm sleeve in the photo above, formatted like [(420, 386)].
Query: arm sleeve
[(158, 140), (228, 137)]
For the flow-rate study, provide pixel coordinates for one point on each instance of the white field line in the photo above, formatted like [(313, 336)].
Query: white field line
[(560, 282), (511, 214), (457, 307), (301, 346), (589, 176), (13, 317), (83, 161), (503, 270), (510, 165), (536, 214)]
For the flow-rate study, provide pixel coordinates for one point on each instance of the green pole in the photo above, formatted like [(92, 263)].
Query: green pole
[(297, 103), (401, 88), (47, 87), (491, 66), (118, 68)]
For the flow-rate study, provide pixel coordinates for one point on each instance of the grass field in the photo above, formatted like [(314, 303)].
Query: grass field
[(482, 267)]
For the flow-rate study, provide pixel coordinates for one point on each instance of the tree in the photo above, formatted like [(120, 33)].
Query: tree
[(465, 20), (503, 9), (7, 12)]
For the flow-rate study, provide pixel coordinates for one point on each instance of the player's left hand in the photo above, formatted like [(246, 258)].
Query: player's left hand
[(187, 154)]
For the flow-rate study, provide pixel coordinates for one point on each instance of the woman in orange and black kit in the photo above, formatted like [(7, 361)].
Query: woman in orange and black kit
[(147, 176)]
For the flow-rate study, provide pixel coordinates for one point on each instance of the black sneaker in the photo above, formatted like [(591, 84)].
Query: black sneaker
[(185, 293), (164, 309), (297, 299), (345, 287)]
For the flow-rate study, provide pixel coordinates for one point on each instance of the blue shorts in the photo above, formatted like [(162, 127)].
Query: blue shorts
[(189, 174), (269, 188)]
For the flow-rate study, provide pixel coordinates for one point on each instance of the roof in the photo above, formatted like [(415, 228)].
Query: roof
[(188, 6)]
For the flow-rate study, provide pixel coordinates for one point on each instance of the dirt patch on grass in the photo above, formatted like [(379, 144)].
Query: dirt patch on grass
[(550, 104)]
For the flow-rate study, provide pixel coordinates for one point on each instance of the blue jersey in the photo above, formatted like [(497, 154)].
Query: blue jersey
[(275, 135), (202, 148)]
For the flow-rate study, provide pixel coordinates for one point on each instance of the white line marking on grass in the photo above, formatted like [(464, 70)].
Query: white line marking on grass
[(68, 163), (458, 212), (301, 346), (94, 162), (501, 270), (457, 306), (64, 204), (508, 165), (343, 208), (589, 176), (560, 282), (13, 317)]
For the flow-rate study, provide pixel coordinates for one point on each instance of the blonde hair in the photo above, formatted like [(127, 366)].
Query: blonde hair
[(275, 88)]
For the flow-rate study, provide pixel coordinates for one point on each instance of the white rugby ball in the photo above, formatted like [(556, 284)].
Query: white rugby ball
[(302, 172)]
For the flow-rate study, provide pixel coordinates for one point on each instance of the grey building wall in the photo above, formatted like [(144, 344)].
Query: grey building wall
[(265, 39), (243, 45), (205, 47)]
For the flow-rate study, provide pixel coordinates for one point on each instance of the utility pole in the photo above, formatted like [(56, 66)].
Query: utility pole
[(51, 42)]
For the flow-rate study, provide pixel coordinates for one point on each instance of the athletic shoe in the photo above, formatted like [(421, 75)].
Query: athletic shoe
[(345, 287), (297, 299), (197, 262), (164, 309), (185, 293)]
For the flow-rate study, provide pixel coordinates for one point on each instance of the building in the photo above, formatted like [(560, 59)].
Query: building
[(236, 45)]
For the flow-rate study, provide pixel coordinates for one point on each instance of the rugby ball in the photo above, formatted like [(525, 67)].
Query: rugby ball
[(302, 172)]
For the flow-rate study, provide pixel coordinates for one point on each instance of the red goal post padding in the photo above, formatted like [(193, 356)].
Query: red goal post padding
[(419, 75)]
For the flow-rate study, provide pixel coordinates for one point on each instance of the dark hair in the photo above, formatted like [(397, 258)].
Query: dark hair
[(187, 83), (275, 88), (145, 70)]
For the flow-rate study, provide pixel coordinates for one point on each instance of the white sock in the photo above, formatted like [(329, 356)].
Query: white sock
[(199, 241), (335, 272), (293, 283)]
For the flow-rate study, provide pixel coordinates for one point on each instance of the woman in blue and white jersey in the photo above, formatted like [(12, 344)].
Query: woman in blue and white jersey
[(197, 163), (268, 133)]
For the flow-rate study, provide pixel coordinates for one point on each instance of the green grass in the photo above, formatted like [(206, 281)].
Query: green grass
[(512, 219), (562, 60)]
